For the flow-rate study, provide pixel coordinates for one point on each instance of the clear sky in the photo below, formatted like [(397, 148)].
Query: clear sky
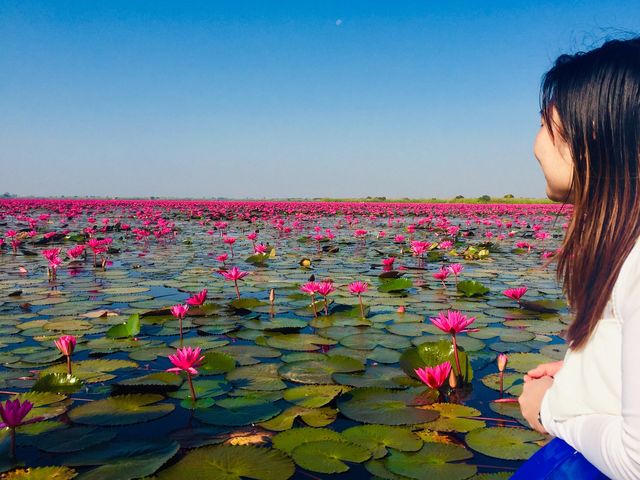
[(271, 98)]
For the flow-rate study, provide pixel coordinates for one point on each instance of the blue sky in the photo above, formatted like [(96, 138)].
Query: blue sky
[(282, 98)]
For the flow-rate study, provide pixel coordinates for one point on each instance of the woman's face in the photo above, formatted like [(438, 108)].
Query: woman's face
[(555, 159)]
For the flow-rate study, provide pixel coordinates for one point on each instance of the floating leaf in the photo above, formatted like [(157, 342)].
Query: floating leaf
[(376, 438), (395, 285), (328, 456), (314, 417), (130, 328), (453, 418), (121, 410), (433, 460), (319, 371), (257, 377), (471, 288), (57, 383), (229, 462), (504, 442), (313, 396), (288, 440), (386, 407), (124, 460)]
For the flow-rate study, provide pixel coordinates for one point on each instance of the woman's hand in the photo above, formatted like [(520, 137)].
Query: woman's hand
[(532, 392), (544, 369)]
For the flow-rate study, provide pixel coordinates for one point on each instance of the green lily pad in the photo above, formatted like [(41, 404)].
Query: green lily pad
[(121, 410), (319, 371), (313, 396), (57, 383), (263, 376), (328, 456), (471, 288), (503, 442), (124, 460), (203, 388), (73, 439), (376, 438), (314, 417), (238, 414), (92, 371), (395, 285), (454, 418), (128, 329), (387, 407), (288, 440), (228, 462), (299, 341), (374, 376), (215, 363), (433, 460)]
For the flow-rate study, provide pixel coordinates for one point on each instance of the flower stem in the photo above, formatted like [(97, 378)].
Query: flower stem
[(501, 379), (455, 352), (237, 289), (326, 307), (193, 392), (69, 364), (361, 305), (313, 304)]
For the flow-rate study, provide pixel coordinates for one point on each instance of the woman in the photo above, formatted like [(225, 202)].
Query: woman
[(589, 150)]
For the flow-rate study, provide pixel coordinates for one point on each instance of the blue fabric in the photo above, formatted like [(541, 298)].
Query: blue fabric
[(558, 460)]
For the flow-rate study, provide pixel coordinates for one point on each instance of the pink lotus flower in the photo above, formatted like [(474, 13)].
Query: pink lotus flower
[(442, 275), (12, 414), (515, 293), (325, 288), (311, 288), (387, 263), (252, 236), (260, 249), (358, 288), (434, 377), (234, 275), (502, 361), (398, 239), (186, 360), (453, 322), (456, 269), (179, 311), (229, 241), (445, 245), (222, 258), (66, 344), (197, 299), (76, 251)]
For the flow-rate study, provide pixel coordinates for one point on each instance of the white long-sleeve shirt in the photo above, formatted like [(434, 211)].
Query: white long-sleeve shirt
[(594, 402)]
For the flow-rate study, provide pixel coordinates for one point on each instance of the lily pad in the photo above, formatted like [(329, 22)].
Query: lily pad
[(328, 456), (319, 371), (121, 410), (228, 462), (433, 460), (386, 407), (376, 438), (288, 440), (504, 442)]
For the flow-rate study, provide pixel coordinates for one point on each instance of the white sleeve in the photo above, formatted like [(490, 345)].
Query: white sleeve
[(610, 442)]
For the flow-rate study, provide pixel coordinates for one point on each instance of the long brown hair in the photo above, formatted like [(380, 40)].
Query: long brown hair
[(597, 97)]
